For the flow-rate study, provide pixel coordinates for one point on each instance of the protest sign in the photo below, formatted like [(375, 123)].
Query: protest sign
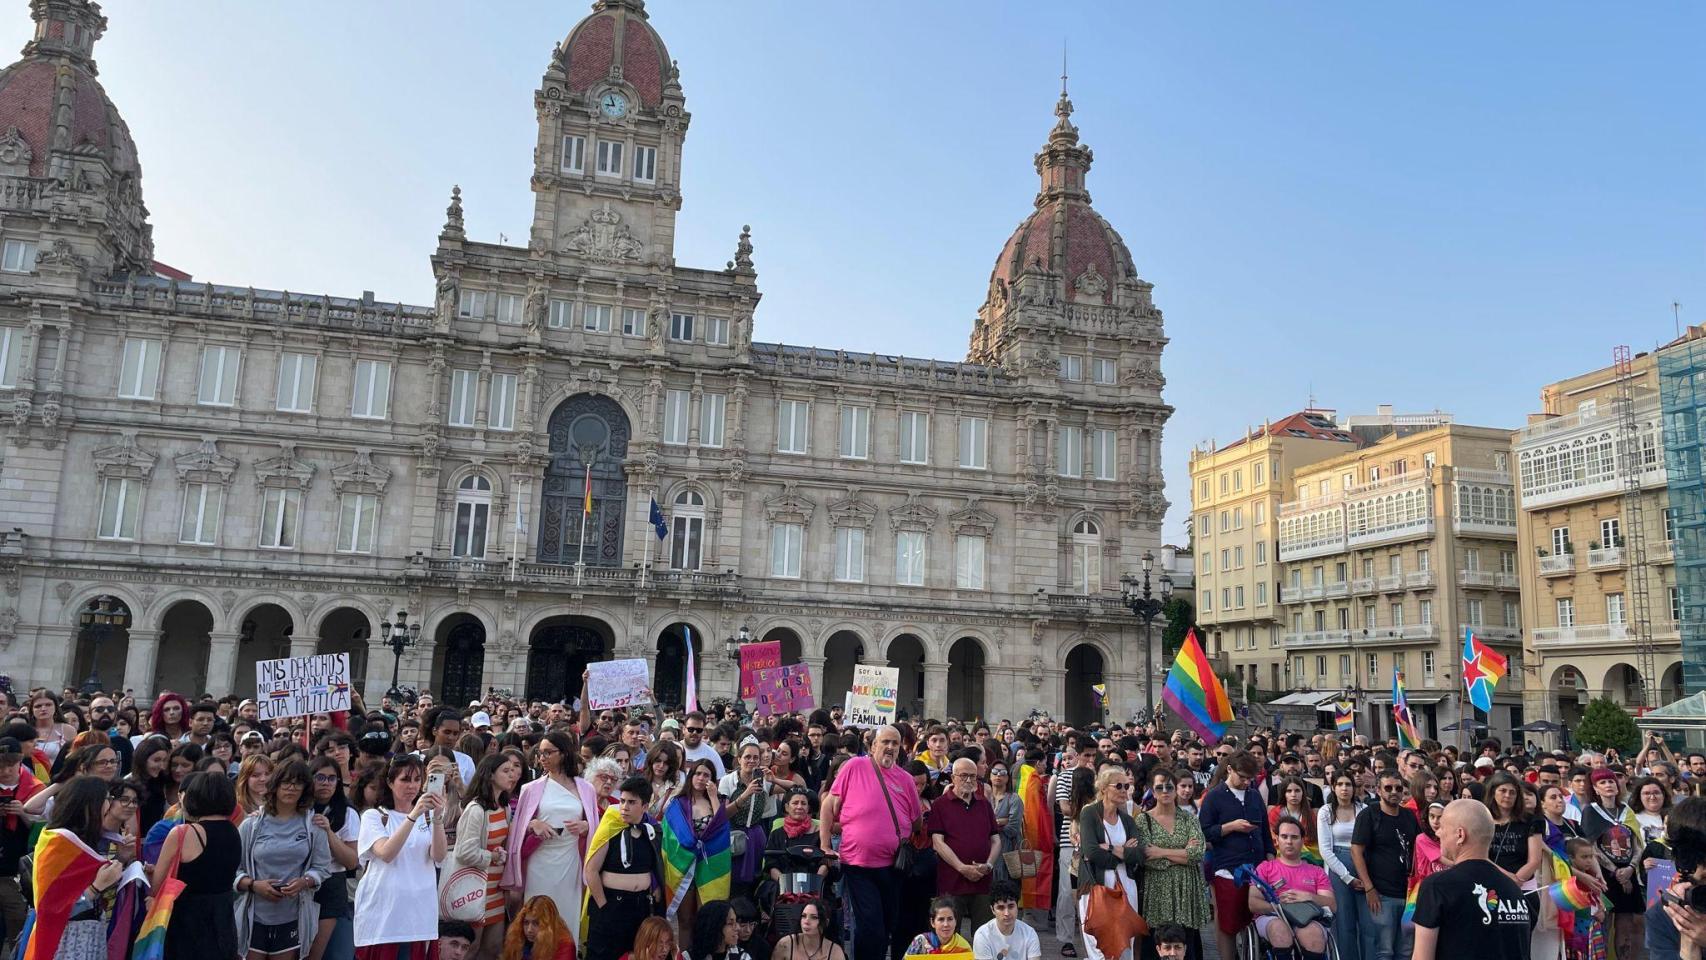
[(783, 689), (755, 657), (297, 686), (611, 684), (871, 702)]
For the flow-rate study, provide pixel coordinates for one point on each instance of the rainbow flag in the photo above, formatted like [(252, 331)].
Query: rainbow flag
[(1483, 668), (64, 867), (1344, 716), (1039, 836), (1195, 693), (694, 858), (1408, 739)]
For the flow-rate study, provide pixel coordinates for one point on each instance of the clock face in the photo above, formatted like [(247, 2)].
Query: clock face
[(613, 105)]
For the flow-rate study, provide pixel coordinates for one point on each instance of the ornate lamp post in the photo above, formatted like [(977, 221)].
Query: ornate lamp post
[(399, 636), (98, 620), (1146, 607), (732, 645)]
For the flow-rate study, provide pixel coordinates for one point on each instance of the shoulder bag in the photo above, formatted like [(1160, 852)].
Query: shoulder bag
[(903, 852), (462, 891)]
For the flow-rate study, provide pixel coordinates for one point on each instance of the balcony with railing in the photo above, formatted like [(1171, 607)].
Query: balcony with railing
[(1313, 638), (1496, 634), (1390, 510), (1580, 456), (1420, 580), (1558, 566), (1338, 588), (567, 574), (1605, 558), (1391, 583), (1362, 585), (1487, 579), (1311, 528), (1591, 634)]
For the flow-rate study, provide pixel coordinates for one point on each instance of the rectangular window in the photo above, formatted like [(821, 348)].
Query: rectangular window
[(1675, 605), (1395, 564), (1475, 613), (717, 331), (296, 382), (463, 386), (1225, 521), (1507, 561), (909, 558), (1472, 559), (358, 520), (1422, 560), (850, 554), (1102, 370), (1566, 612), (371, 398), (711, 407), (1258, 474), (1226, 598), (217, 386), (1670, 524), (633, 322), (472, 305), (1261, 513), (681, 327), (609, 158), (502, 401), (646, 164), (574, 154), (1224, 487), (1513, 614), (1560, 540), (18, 256), (1238, 557), (1225, 560), (914, 437), (1237, 518), (855, 433), (676, 406), (1208, 601), (1070, 450), (1071, 367), (1368, 616), (1261, 593), (1428, 665), (686, 542), (1614, 608), (11, 347), (1237, 481), (509, 309), (1427, 612), (1610, 532), (1238, 597), (974, 437), (200, 523), (140, 371), (595, 317), (559, 313), (1345, 667), (1104, 453), (1261, 552), (121, 508), (785, 542), (1395, 613), (279, 510), (472, 519), (793, 419)]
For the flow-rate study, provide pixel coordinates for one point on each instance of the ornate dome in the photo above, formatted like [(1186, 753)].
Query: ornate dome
[(53, 101), (1064, 236), (616, 42)]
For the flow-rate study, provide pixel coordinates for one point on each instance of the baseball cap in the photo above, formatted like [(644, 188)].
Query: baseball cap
[(254, 736), (1485, 763), (480, 719)]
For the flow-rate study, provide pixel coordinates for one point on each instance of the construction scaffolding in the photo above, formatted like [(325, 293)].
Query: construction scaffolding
[(1682, 398), (1633, 462)]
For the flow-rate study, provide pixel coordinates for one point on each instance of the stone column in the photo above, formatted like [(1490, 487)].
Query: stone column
[(221, 663), (820, 696), (304, 646), (140, 659), (935, 689), (378, 672)]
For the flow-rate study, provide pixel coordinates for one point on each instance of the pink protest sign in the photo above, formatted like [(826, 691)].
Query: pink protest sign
[(783, 689), (755, 657)]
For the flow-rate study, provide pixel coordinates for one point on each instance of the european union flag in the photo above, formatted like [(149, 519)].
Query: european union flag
[(658, 522)]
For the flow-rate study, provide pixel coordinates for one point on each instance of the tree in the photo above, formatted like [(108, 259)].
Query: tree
[(1180, 617), (1605, 725)]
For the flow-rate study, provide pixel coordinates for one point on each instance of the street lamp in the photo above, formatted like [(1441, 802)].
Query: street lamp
[(1146, 608), (99, 619), (732, 645), (399, 636)]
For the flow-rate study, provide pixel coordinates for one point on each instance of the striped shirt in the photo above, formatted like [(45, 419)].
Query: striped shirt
[(1063, 794), (497, 836)]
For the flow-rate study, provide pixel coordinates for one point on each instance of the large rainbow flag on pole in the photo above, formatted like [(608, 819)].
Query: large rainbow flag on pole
[(1408, 739), (1483, 668), (64, 867), (1039, 836), (1195, 693)]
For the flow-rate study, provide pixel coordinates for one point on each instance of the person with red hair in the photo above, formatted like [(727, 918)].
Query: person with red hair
[(539, 933), (170, 716)]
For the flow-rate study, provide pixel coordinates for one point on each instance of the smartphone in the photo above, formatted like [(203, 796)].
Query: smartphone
[(435, 784)]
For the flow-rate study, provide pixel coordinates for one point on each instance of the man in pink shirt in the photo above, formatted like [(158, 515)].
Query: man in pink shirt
[(859, 802), (1294, 880)]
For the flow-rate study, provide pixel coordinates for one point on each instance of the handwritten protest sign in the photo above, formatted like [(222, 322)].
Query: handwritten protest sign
[(297, 686), (755, 657), (783, 689), (617, 683), (871, 702)]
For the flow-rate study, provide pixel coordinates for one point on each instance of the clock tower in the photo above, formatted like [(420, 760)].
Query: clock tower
[(607, 166)]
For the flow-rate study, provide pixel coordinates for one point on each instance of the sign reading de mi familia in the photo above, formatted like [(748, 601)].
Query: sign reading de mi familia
[(296, 686)]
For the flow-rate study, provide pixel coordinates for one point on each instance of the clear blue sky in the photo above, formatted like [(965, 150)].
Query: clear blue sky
[(1436, 206)]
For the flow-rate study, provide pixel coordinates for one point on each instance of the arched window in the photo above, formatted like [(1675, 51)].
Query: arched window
[(473, 513), (687, 529), (1086, 557)]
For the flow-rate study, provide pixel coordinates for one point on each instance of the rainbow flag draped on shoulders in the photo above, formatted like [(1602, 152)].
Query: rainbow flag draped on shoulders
[(694, 858), (1039, 836), (1408, 738), (64, 867), (1195, 693)]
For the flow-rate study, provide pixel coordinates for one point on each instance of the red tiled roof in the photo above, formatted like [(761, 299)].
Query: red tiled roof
[(592, 49), (1304, 424), (642, 61), (27, 102)]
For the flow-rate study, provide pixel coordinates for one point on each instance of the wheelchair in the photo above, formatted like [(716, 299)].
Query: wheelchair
[(1255, 947)]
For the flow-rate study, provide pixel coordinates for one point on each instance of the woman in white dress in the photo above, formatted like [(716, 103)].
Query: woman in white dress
[(554, 818)]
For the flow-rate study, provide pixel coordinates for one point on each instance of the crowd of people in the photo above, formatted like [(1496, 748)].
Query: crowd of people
[(503, 830)]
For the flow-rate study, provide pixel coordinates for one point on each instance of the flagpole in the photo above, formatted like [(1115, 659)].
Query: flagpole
[(646, 564), (586, 508), (515, 537)]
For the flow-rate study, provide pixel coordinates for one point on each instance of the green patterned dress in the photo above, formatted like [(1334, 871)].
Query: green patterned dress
[(1174, 892)]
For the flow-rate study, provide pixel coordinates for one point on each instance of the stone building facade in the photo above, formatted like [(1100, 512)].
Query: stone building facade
[(196, 476)]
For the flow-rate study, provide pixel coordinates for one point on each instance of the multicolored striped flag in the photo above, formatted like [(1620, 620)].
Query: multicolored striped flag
[(1344, 716), (694, 858), (692, 697), (1483, 668), (64, 868), (1038, 836), (1408, 739), (1195, 693)]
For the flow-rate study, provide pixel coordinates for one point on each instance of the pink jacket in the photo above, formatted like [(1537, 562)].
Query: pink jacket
[(526, 809)]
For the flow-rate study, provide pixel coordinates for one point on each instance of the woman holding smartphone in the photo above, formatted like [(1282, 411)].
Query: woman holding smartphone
[(751, 808), (396, 903), (554, 816)]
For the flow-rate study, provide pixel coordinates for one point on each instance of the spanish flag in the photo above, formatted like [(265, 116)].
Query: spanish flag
[(586, 503)]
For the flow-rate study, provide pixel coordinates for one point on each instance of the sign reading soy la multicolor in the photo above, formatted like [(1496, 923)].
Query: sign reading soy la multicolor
[(297, 686), (871, 702)]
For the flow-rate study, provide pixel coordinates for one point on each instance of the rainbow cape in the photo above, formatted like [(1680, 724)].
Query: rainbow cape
[(1195, 693), (693, 859), (1039, 836), (64, 867), (1408, 738)]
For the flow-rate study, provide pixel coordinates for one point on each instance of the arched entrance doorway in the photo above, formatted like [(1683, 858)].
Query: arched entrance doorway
[(1623, 685), (907, 652), (344, 630), (558, 653), (840, 654), (790, 643), (588, 432), (669, 678), (1084, 669), (1568, 695), (1672, 686), (965, 679), (460, 656), (264, 635), (103, 642), (185, 641)]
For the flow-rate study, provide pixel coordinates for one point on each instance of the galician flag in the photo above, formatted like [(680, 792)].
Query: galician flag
[(1483, 668)]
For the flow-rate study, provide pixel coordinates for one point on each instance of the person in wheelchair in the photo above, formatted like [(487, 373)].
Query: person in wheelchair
[(1292, 902)]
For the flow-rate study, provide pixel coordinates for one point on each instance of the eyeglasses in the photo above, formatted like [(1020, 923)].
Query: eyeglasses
[(1122, 786), (100, 709), (1391, 788), (128, 800), (965, 776), (109, 762), (695, 729), (325, 778)]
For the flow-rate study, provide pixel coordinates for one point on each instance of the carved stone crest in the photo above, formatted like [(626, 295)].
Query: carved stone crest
[(1090, 283), (15, 153), (604, 238), (124, 459), (790, 506), (284, 470), (205, 464), (851, 512)]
